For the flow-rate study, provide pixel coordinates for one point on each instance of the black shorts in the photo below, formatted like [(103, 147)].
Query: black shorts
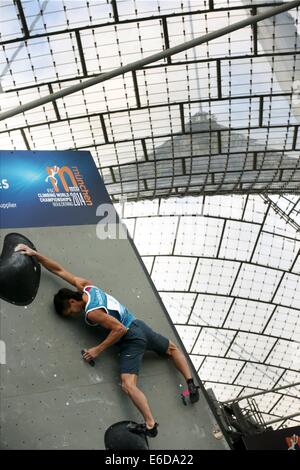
[(132, 346)]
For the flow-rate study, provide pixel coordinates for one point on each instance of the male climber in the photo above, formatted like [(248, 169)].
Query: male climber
[(133, 337)]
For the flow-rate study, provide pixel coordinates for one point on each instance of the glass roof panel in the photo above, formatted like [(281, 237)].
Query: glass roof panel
[(290, 377), (13, 140), (256, 282), (199, 25), (255, 210), (296, 267), (289, 291), (130, 225), (38, 60), (188, 335), (215, 276), (198, 236), (35, 116), (178, 305), (285, 354), (10, 26), (287, 406), (220, 369), (251, 347), (213, 342), (245, 235), (197, 361), (149, 229), (223, 392), (146, 208), (285, 323), (275, 251), (249, 315), (231, 207), (278, 226), (210, 310), (184, 206), (173, 273), (263, 377), (56, 15)]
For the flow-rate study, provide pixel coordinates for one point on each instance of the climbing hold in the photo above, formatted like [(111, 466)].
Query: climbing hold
[(19, 274), (91, 362), (118, 437)]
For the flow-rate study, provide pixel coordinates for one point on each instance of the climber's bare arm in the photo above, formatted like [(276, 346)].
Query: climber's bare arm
[(55, 267)]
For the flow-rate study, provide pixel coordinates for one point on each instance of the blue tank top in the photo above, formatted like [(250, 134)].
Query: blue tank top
[(97, 298)]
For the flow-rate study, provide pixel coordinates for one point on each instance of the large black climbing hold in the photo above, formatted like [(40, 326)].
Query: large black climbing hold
[(118, 437), (19, 274)]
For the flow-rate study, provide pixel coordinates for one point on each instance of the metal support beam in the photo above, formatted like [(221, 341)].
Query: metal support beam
[(22, 19), (148, 60), (144, 147), (254, 161), (103, 126), (115, 10), (219, 135), (81, 54), (280, 419), (261, 112), (25, 139), (136, 89), (295, 138), (254, 30), (58, 117), (166, 36), (181, 110), (219, 78), (260, 393)]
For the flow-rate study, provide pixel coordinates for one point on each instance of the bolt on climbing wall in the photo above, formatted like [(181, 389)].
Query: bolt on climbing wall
[(50, 397)]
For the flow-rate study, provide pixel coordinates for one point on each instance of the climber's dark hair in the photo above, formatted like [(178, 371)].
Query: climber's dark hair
[(61, 299)]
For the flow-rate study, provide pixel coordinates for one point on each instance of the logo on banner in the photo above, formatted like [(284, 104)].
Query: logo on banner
[(68, 188), (51, 174), (293, 442)]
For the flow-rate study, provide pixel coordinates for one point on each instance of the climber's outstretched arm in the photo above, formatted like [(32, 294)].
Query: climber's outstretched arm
[(55, 267)]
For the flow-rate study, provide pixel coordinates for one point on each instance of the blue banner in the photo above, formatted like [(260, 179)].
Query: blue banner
[(42, 189)]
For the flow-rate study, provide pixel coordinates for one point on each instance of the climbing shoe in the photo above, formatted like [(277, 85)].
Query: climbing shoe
[(142, 429), (194, 392)]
